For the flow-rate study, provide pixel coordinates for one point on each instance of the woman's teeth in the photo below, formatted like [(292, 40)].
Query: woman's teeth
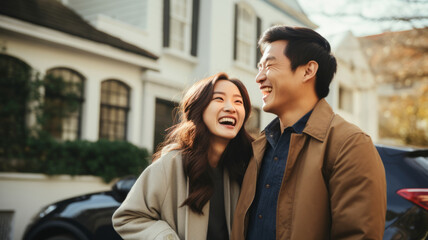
[(228, 121)]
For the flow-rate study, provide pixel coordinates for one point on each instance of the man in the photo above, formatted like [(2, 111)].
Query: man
[(313, 175)]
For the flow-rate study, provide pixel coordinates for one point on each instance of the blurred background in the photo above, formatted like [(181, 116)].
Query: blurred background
[(89, 87)]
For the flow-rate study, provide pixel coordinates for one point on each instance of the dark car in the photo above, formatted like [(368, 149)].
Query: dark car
[(88, 217), (407, 192)]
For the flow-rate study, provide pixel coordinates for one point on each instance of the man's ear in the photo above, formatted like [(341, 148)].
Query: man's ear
[(311, 69)]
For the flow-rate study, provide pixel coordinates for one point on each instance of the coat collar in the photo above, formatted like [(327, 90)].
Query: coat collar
[(316, 127), (259, 146), (319, 121)]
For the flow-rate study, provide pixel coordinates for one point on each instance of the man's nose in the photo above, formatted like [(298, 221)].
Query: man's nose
[(261, 76)]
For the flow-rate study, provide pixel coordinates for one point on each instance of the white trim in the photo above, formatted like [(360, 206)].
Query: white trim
[(157, 79), (172, 52), (39, 176), (61, 38), (242, 66)]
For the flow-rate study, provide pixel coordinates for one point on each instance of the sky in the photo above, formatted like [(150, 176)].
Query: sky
[(325, 14)]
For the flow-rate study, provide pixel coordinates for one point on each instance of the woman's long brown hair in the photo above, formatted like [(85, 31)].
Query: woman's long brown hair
[(191, 136)]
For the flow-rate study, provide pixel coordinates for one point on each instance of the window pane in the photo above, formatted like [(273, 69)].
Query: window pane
[(246, 36), (179, 8), (180, 24), (114, 110), (63, 101), (177, 34), (164, 118)]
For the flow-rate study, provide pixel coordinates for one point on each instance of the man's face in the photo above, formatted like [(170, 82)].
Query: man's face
[(280, 86)]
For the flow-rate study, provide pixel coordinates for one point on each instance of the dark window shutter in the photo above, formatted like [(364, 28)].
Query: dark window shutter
[(166, 24), (195, 21), (235, 34), (258, 33)]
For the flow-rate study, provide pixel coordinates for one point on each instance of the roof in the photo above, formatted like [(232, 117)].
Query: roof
[(54, 15), (292, 9)]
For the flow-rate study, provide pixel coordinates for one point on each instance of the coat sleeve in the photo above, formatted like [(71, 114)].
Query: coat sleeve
[(357, 188), (139, 216)]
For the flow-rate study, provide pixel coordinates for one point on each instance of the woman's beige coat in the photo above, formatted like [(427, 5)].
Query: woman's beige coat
[(152, 209)]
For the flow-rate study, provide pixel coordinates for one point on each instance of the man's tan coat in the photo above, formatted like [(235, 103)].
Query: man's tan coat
[(333, 187), (152, 208)]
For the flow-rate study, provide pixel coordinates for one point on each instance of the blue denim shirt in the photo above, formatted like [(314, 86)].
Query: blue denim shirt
[(262, 214)]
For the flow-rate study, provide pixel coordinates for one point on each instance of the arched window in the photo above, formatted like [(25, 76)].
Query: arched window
[(15, 90), (114, 110), (63, 103)]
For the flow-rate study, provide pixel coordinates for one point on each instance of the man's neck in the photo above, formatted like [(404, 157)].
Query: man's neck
[(292, 115)]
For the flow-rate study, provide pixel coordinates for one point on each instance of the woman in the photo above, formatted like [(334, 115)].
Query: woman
[(191, 189)]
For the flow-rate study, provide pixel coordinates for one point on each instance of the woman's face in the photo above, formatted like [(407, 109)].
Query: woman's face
[(225, 114)]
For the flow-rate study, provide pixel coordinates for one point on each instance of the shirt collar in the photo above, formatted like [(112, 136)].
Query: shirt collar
[(300, 125), (274, 126)]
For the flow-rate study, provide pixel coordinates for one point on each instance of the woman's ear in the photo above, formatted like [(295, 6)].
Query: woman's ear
[(311, 69)]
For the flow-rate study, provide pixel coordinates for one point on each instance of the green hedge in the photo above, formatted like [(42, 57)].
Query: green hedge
[(103, 158)]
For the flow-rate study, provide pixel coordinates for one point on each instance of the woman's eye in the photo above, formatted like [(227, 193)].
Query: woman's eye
[(239, 101), (217, 98)]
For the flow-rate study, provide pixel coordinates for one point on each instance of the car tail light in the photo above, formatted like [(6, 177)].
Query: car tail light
[(418, 196)]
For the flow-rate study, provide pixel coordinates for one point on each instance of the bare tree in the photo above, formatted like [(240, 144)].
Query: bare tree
[(390, 15)]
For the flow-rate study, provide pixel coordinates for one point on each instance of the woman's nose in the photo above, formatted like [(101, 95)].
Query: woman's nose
[(228, 107)]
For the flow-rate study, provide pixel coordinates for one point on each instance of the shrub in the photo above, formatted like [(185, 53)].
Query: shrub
[(103, 158)]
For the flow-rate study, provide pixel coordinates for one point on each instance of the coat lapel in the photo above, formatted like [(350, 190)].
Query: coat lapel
[(227, 199), (196, 225), (231, 194), (259, 146)]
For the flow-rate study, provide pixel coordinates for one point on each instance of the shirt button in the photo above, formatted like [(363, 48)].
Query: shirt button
[(275, 158), (260, 216), (267, 186)]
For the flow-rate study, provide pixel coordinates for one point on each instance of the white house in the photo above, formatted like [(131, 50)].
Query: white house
[(193, 39), (133, 62), (353, 89)]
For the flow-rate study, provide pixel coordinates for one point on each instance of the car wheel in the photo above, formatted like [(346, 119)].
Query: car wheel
[(61, 237)]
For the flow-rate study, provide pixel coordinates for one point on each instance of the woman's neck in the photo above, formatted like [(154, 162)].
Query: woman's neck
[(215, 151)]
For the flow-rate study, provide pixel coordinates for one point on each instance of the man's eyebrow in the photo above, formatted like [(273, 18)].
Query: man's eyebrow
[(269, 58)]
